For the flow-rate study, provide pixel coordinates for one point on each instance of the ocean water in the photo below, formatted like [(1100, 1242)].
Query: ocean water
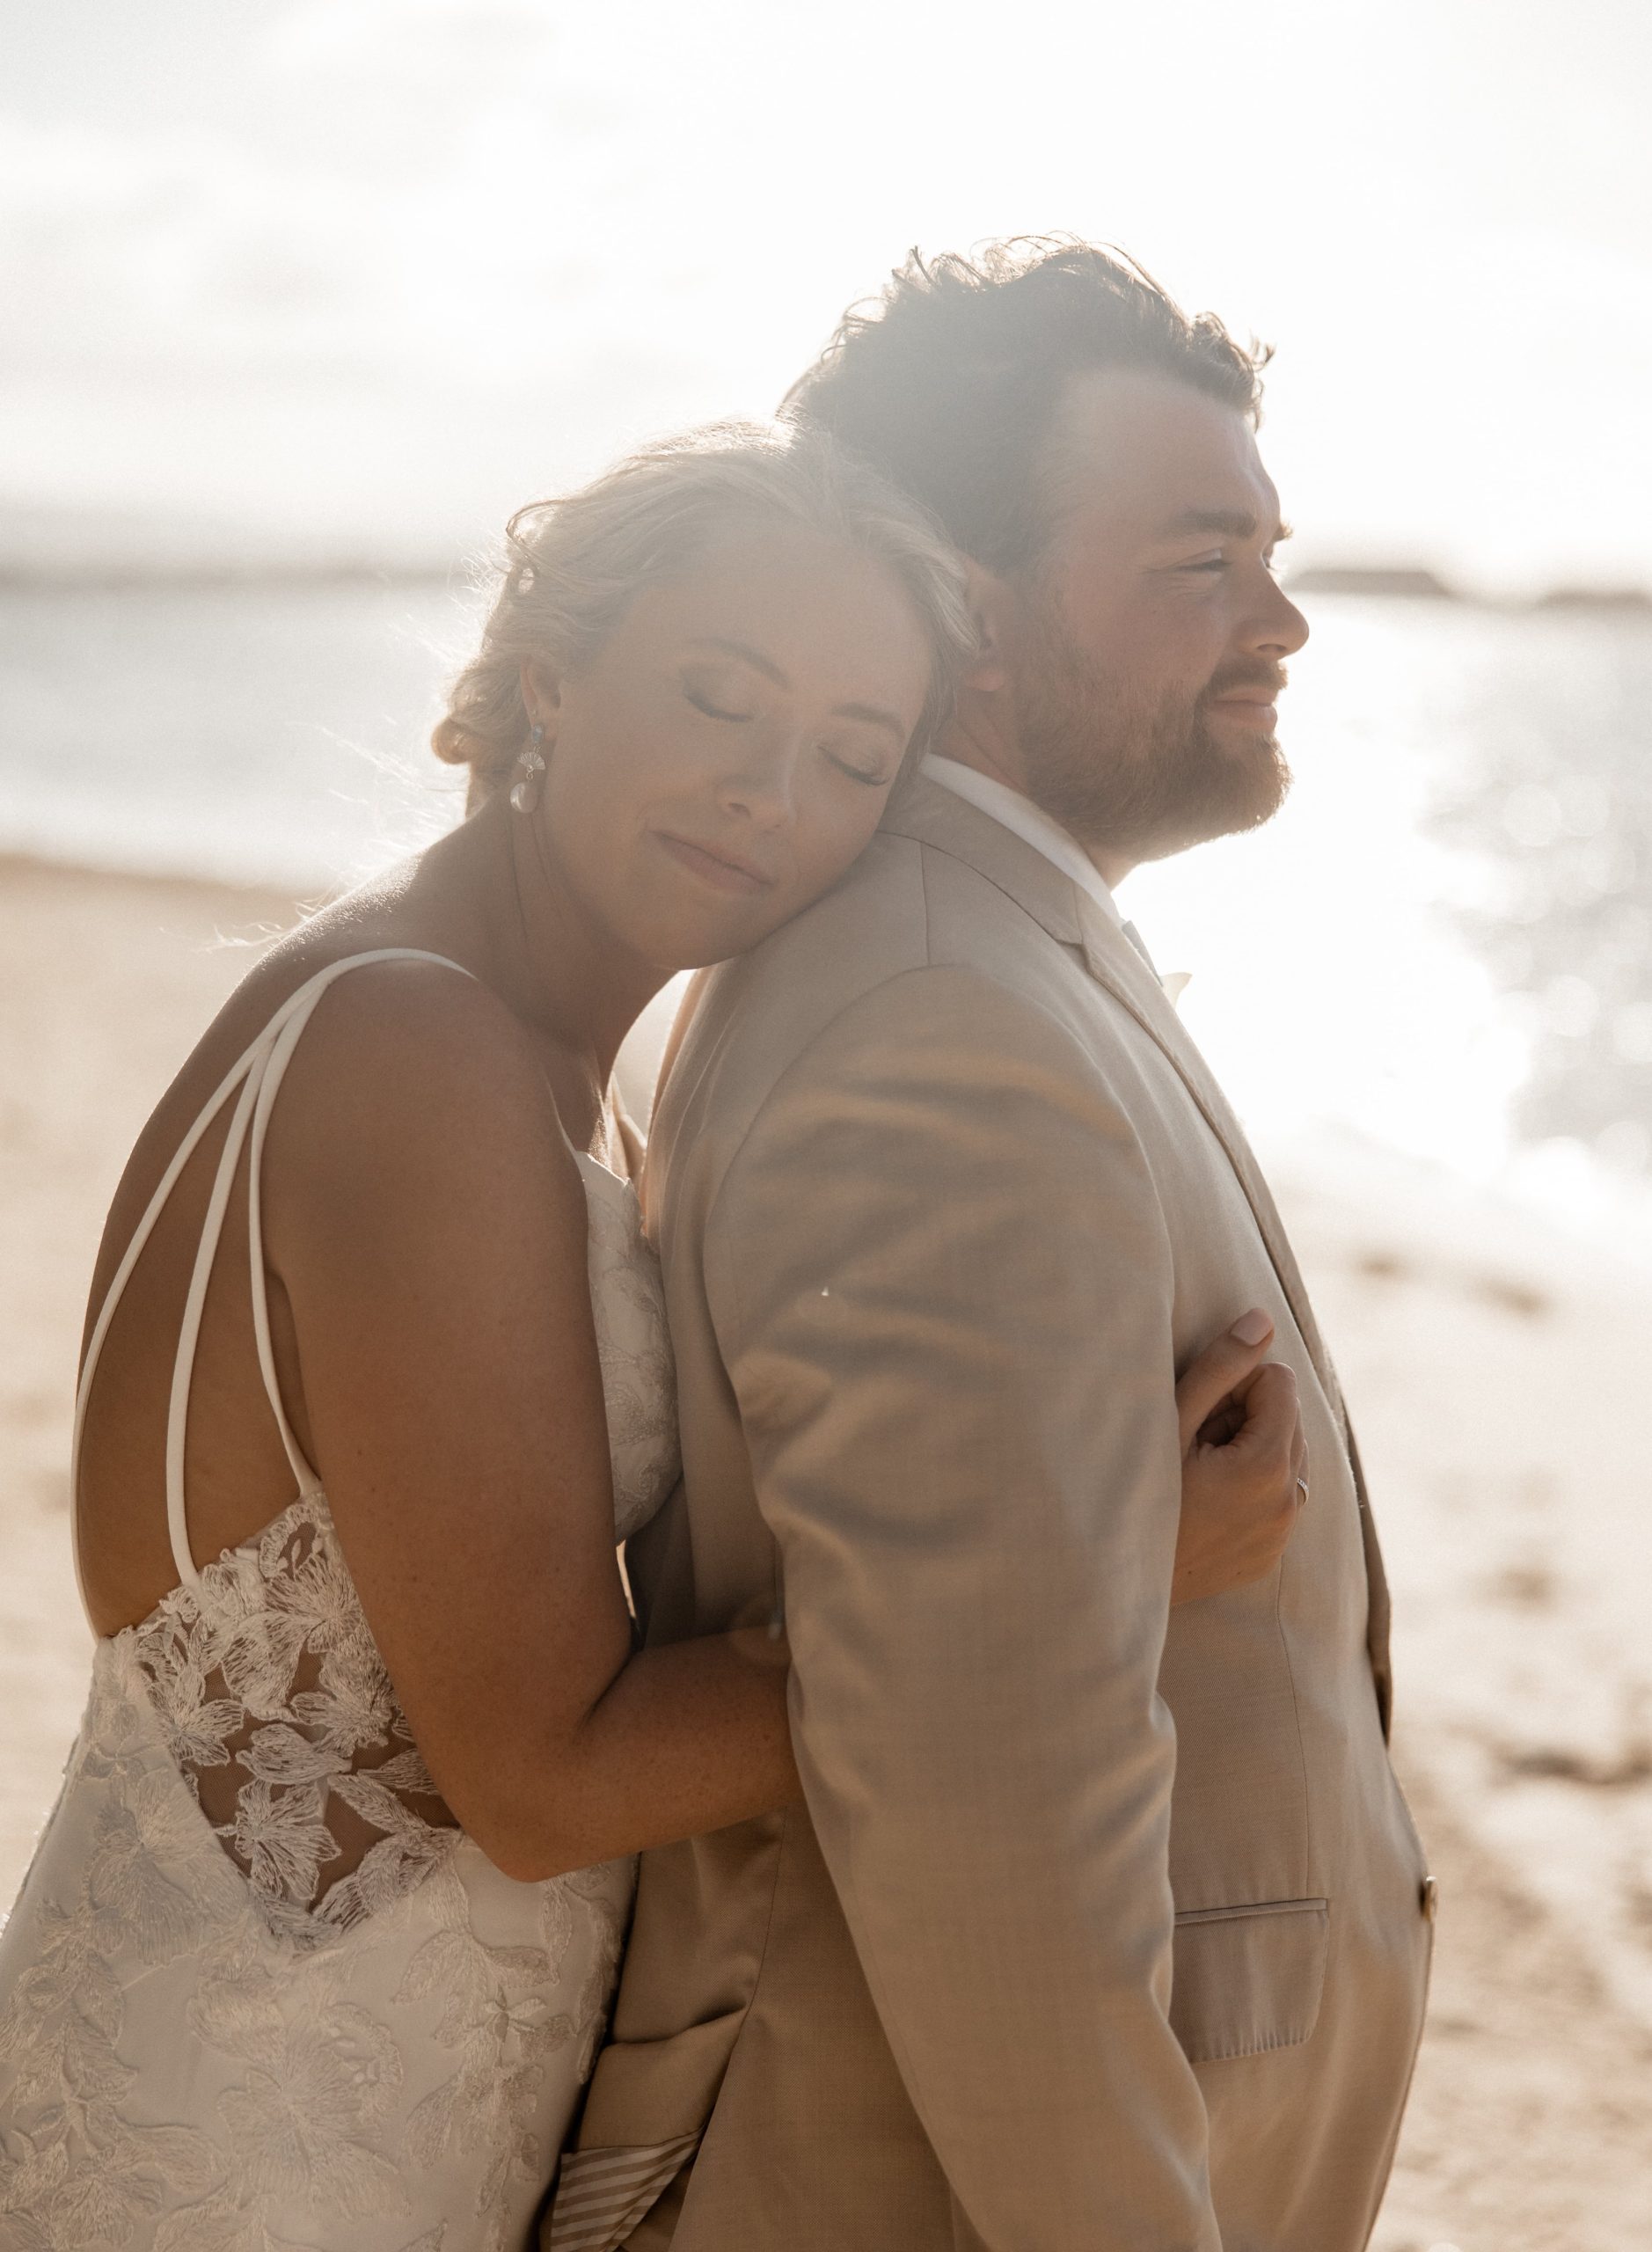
[(271, 732), (1443, 942)]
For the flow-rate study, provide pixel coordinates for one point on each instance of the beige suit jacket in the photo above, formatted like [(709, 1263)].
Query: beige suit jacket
[(1106, 1927)]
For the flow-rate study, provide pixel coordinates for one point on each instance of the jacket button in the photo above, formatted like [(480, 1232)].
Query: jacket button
[(1428, 1900)]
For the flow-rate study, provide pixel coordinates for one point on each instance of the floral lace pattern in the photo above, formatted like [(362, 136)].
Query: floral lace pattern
[(635, 1347), (312, 2114), (257, 1993), (280, 1717), (278, 1712)]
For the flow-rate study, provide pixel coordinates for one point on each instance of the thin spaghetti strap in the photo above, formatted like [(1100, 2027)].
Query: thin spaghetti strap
[(123, 1273), (189, 1328), (252, 1075), (269, 1087)]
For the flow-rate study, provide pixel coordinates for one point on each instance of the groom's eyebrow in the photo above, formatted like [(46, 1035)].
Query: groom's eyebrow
[(873, 714), (1229, 524)]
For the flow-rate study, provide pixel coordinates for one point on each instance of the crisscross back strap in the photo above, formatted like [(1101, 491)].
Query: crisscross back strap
[(255, 1081)]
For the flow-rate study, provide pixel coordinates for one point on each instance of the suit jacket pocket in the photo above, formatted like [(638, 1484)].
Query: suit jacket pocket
[(645, 2111), (654, 2092), (1248, 1978)]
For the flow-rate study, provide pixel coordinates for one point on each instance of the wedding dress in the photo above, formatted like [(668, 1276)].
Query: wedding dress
[(258, 1994)]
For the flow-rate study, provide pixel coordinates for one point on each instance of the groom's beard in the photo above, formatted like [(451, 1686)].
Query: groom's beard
[(1132, 774)]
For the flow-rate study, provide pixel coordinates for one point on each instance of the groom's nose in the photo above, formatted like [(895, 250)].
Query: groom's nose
[(1276, 627)]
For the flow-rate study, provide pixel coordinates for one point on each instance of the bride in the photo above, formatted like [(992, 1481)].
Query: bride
[(316, 1948)]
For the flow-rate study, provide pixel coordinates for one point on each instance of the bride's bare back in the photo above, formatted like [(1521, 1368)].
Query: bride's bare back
[(236, 1473)]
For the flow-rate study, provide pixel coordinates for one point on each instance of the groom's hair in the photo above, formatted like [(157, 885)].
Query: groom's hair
[(950, 381)]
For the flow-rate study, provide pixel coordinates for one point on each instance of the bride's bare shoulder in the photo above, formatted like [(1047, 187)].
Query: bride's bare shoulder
[(397, 1054), (371, 1011), (369, 922), (412, 1049)]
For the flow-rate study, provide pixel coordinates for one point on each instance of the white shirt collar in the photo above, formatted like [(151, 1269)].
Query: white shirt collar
[(1027, 820)]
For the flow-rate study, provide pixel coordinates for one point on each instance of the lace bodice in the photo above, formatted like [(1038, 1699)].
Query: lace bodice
[(278, 1713), (634, 1347), (258, 1990)]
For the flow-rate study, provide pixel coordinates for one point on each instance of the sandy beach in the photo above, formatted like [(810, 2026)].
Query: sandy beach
[(1497, 1369)]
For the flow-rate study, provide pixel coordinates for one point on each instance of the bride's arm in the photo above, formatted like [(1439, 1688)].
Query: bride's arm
[(428, 1227), (1242, 1451)]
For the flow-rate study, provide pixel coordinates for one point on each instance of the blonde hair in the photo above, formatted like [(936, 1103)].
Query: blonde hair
[(573, 566)]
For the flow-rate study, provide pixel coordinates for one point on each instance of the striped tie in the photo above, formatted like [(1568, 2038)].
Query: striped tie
[(600, 2195)]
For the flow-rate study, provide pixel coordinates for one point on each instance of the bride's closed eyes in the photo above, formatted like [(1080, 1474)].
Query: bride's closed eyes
[(714, 705), (874, 771), (718, 696)]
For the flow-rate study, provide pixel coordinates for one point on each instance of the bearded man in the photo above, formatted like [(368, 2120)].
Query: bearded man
[(1105, 1927)]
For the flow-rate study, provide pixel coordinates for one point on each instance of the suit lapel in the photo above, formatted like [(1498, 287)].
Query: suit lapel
[(934, 816), (1115, 964)]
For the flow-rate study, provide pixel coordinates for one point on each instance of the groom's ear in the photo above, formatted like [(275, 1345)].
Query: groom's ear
[(541, 694), (989, 599)]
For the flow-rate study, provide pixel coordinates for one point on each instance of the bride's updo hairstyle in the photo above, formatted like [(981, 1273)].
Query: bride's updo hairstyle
[(573, 566)]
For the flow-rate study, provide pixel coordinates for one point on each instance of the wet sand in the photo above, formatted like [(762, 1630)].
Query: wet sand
[(1496, 1370)]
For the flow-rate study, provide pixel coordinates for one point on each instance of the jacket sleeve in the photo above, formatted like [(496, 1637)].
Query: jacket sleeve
[(943, 1292)]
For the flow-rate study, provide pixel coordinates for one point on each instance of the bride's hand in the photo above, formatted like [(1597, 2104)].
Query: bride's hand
[(1242, 1454)]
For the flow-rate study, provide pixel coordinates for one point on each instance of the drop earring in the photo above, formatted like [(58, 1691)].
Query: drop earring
[(524, 791)]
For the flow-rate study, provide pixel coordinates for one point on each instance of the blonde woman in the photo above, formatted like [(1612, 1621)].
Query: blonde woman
[(316, 1946)]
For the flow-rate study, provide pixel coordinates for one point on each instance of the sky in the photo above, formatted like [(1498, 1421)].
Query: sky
[(365, 274)]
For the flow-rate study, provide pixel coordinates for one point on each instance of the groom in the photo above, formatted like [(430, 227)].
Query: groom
[(1105, 1928)]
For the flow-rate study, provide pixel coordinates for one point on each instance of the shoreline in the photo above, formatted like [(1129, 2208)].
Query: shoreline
[(25, 866), (1494, 1366), (265, 893), (1607, 1214), (63, 573)]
